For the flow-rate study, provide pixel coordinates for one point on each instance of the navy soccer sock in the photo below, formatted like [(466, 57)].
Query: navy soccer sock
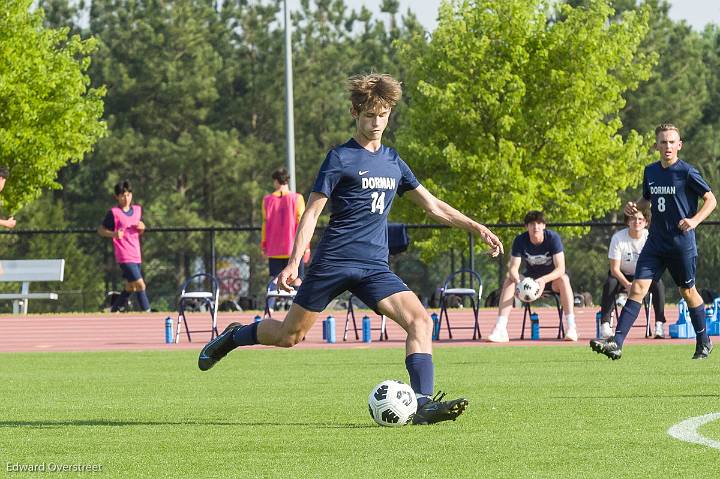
[(627, 317), (143, 300), (697, 316), (246, 336), (422, 375), (120, 301)]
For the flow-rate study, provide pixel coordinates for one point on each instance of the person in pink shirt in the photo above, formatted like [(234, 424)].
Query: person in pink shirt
[(281, 212), (123, 223), (4, 175)]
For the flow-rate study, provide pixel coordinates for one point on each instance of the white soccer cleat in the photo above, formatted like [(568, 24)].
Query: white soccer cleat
[(499, 335), (605, 330), (659, 331), (571, 334)]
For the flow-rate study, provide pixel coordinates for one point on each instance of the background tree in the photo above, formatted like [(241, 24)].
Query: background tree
[(49, 116), (514, 108)]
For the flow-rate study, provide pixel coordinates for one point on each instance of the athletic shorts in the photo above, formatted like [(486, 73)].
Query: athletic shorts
[(652, 265), (131, 271), (276, 265), (322, 284)]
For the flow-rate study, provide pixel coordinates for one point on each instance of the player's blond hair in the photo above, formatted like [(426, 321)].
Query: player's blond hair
[(666, 127), (368, 91)]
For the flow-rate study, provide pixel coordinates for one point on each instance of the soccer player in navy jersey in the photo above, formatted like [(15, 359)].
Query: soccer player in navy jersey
[(672, 188), (360, 180)]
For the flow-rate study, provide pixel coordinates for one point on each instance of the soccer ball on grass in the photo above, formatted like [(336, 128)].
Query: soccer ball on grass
[(527, 290), (392, 403)]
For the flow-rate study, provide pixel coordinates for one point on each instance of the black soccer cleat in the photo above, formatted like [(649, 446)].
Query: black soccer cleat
[(218, 348), (703, 350), (437, 410), (608, 347)]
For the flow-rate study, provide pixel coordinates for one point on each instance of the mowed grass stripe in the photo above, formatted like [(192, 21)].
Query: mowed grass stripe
[(534, 412)]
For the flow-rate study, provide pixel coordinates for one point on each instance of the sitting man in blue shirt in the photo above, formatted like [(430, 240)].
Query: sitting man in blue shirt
[(542, 252)]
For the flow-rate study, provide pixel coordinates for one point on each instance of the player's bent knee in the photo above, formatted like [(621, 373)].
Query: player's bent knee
[(289, 340), (420, 324)]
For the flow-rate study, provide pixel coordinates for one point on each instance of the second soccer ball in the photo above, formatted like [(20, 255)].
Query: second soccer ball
[(527, 290)]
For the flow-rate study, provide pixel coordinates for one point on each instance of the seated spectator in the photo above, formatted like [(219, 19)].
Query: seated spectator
[(625, 247), (541, 250)]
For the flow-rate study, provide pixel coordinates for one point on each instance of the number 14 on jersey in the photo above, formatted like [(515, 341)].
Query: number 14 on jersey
[(378, 202)]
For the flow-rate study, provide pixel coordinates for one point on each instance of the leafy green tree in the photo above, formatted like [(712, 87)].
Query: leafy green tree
[(514, 109), (679, 74), (49, 115)]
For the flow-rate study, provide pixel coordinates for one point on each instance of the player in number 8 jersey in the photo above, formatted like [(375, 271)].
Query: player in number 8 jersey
[(672, 188), (359, 180)]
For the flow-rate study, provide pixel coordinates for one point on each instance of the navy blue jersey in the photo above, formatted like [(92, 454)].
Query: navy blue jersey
[(537, 257), (361, 186), (673, 192)]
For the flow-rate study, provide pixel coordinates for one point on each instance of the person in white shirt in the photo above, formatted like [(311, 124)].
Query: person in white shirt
[(625, 247)]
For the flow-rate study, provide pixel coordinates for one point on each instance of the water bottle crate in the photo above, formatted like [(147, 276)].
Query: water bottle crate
[(713, 328), (682, 330)]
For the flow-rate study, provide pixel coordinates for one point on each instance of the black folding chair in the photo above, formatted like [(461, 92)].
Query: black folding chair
[(647, 303), (201, 290), (350, 315), (473, 292), (527, 311)]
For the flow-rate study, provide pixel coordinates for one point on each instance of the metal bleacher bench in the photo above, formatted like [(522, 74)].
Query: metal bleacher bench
[(26, 271)]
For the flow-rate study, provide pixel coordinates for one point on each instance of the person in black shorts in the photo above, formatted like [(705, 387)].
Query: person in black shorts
[(360, 180), (123, 223), (672, 188)]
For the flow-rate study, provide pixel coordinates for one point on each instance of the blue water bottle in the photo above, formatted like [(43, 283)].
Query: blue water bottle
[(366, 329), (257, 318), (683, 315), (330, 327), (168, 330), (598, 319), (436, 326), (534, 326)]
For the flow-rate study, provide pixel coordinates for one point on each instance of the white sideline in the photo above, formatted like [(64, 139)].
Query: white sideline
[(687, 430)]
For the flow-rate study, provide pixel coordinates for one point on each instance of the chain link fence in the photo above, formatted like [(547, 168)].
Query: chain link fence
[(171, 255)]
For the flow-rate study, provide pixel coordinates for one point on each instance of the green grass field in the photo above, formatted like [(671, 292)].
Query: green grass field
[(534, 412)]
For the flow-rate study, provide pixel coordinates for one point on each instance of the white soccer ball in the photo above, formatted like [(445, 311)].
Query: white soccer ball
[(527, 290), (392, 403)]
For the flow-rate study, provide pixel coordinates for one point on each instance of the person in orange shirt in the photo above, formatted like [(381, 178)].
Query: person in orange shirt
[(281, 212)]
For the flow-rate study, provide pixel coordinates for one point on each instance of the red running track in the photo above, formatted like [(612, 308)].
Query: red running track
[(146, 331)]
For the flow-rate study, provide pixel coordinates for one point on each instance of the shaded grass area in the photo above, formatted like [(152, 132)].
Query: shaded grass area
[(534, 412)]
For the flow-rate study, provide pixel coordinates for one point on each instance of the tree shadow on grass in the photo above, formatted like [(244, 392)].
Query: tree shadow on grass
[(54, 423)]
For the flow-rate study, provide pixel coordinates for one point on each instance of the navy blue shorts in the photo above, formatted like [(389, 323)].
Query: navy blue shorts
[(652, 265), (131, 271), (322, 284), (276, 265)]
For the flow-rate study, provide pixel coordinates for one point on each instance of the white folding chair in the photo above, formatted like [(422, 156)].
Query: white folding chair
[(200, 290), (273, 292), (474, 293)]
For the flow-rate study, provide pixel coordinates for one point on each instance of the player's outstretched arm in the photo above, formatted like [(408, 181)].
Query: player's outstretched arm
[(446, 214), (304, 233), (709, 204)]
